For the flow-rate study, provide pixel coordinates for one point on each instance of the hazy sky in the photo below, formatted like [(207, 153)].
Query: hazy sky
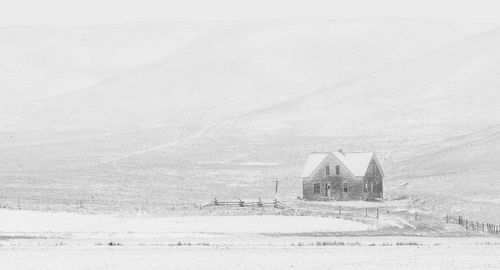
[(69, 12)]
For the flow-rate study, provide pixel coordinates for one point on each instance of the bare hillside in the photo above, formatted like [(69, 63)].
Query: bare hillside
[(187, 109), (451, 90), (178, 74)]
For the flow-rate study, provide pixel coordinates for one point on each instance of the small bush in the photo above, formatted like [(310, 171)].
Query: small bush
[(180, 244), (407, 244)]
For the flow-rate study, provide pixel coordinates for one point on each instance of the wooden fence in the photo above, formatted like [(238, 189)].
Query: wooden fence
[(473, 225), (275, 203)]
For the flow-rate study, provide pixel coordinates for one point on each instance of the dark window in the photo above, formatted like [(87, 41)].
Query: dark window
[(371, 170), (345, 187), (317, 188), (337, 170), (327, 170)]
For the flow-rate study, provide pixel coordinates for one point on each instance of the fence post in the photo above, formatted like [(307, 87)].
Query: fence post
[(340, 210), (366, 212), (216, 202), (447, 218), (377, 212), (416, 216)]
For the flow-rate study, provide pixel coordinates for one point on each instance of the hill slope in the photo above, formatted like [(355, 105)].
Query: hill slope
[(196, 109), (454, 89), (466, 166), (139, 76)]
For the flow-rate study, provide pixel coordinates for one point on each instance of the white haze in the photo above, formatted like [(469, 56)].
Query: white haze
[(199, 108), (91, 12)]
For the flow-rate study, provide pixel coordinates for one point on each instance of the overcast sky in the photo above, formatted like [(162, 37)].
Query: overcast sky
[(91, 12)]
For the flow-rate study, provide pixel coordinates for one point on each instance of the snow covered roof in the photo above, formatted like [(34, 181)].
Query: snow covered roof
[(313, 162), (356, 163)]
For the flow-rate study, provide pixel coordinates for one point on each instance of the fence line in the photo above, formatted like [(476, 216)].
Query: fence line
[(275, 203), (350, 213), (91, 205), (473, 225)]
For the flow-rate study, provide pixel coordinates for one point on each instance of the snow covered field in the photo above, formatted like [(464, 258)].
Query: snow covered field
[(255, 252), (143, 123), (41, 240), (134, 258), (40, 223)]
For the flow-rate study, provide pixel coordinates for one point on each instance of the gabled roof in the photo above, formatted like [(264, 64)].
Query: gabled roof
[(313, 161), (356, 163)]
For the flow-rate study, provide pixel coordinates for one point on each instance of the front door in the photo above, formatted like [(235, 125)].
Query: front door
[(328, 190)]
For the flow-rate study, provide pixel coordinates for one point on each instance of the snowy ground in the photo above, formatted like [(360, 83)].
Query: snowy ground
[(14, 223), (265, 253), (41, 240)]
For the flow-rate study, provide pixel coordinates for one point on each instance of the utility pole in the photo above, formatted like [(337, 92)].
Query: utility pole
[(276, 187)]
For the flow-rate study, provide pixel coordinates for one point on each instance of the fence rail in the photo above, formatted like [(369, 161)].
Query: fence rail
[(98, 205), (275, 203), (473, 225)]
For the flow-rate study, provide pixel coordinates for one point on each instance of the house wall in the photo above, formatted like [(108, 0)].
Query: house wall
[(336, 182), (355, 185), (373, 183), (337, 192)]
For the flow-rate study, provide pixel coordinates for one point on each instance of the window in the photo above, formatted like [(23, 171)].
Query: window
[(345, 187), (337, 170), (371, 170), (317, 188), (327, 170)]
